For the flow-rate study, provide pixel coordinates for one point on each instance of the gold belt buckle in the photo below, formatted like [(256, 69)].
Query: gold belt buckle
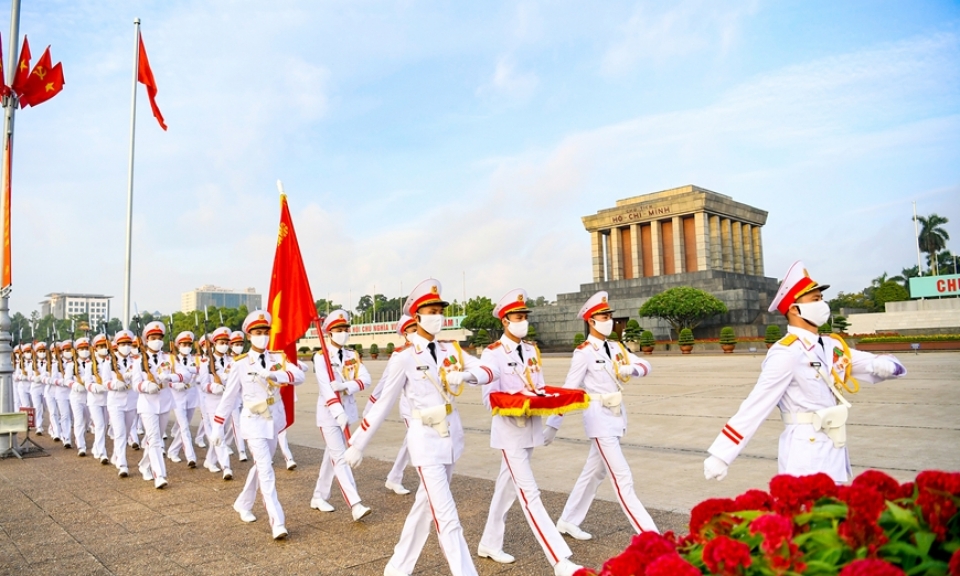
[(449, 409), (271, 400)]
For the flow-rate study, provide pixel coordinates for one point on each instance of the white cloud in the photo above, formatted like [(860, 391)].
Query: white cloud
[(509, 83)]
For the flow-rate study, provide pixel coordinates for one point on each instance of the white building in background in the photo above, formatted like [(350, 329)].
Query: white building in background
[(210, 295), (64, 306)]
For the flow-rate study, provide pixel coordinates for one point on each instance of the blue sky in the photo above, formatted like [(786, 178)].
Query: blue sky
[(424, 139)]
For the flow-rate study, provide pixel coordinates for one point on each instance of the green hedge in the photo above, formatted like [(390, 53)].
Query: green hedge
[(918, 338)]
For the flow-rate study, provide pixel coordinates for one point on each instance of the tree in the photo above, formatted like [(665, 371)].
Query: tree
[(531, 333), (772, 334), (840, 323), (889, 292), (481, 338), (632, 331), (683, 307), (578, 339), (857, 300), (325, 306), (479, 316), (932, 238)]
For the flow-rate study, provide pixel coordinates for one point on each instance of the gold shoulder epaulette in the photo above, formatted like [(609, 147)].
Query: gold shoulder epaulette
[(583, 345), (240, 357), (495, 345), (788, 339)]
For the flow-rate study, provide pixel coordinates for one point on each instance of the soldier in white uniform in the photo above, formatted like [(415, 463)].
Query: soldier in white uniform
[(77, 379), (430, 374), (26, 376), (336, 410), (50, 391), (805, 374), (255, 380), (122, 398), (185, 399), (37, 386), (212, 385), (405, 326), (518, 365), (155, 403), (231, 427), (101, 375), (61, 392), (602, 367), (17, 374)]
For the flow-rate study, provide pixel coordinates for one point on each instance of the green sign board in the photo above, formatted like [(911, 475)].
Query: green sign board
[(931, 286)]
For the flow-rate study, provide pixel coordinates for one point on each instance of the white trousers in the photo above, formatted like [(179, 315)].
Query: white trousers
[(37, 401), (234, 432), (284, 446), (121, 420), (606, 456), (202, 428), (399, 465), (433, 504), (332, 465), (79, 410), (152, 460), (98, 415), (219, 455), (23, 395), (261, 476), (65, 423), (181, 434), (53, 412), (516, 480)]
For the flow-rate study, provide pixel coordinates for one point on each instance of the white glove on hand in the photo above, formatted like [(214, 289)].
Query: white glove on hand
[(627, 371), (458, 378), (167, 378), (217, 389), (714, 467), (549, 433), (78, 387), (35, 379), (339, 386), (216, 435), (883, 367), (353, 456), (342, 420), (150, 387), (179, 386)]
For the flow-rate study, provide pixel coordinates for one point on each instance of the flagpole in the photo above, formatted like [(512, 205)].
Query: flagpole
[(133, 130), (916, 233), (7, 441)]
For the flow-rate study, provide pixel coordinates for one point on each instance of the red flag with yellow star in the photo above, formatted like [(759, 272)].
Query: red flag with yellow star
[(145, 77), (23, 68), (52, 85), (40, 79)]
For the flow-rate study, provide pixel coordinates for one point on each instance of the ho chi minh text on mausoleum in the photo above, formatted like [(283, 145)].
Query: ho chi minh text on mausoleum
[(686, 236)]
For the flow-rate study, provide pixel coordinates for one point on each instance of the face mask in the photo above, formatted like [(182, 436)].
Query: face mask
[(155, 345), (432, 323), (237, 348), (123, 349), (816, 313), (83, 354), (102, 352), (340, 338), (519, 329), (68, 353), (185, 350), (260, 341), (604, 328), (222, 348)]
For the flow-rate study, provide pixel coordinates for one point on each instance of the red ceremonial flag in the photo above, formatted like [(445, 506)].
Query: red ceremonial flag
[(23, 68), (37, 81), (52, 85), (145, 77), (290, 299)]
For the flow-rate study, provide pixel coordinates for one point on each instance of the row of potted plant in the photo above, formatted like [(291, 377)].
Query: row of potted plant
[(728, 339)]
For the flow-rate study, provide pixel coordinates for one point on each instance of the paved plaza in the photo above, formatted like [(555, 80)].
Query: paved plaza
[(66, 515)]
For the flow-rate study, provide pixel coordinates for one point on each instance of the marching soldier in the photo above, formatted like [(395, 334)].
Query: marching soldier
[(255, 380), (82, 367), (601, 367), (430, 374), (17, 375), (805, 374), (122, 398), (185, 399), (37, 386), (405, 326), (50, 391), (518, 366), (201, 358), (154, 404), (213, 384), (232, 430), (336, 410), (61, 392), (101, 375), (26, 376)]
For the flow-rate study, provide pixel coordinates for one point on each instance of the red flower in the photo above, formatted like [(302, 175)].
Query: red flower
[(864, 506), (626, 564), (870, 567), (934, 498), (671, 565), (776, 530), (585, 572), (881, 482), (795, 494), (704, 512), (724, 556), (954, 569), (753, 500), (644, 549)]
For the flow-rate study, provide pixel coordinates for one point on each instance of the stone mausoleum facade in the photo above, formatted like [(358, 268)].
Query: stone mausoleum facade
[(686, 236)]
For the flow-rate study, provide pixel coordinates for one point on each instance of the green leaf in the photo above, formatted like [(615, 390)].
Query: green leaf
[(901, 550), (902, 516), (929, 567), (924, 541)]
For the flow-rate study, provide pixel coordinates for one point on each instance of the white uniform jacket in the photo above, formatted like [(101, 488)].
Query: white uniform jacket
[(39, 373), (378, 390), (205, 380), (97, 391), (351, 371), (506, 431), (416, 376), (597, 373), (160, 402), (77, 379), (123, 393), (261, 414), (789, 379), (185, 369), (63, 379)]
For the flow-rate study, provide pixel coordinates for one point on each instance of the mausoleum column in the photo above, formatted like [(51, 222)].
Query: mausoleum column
[(616, 254), (679, 250), (757, 252), (596, 250), (701, 225), (748, 249), (656, 251), (636, 255), (737, 235), (716, 246), (726, 241)]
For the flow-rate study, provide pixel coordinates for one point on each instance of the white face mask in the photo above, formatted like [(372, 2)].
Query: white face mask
[(68, 353), (223, 348), (83, 354), (519, 329), (340, 338), (816, 313), (237, 348), (155, 345), (260, 341), (432, 323), (123, 349), (604, 328), (185, 350), (102, 352)]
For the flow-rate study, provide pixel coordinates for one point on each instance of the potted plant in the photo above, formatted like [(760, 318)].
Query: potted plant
[(578, 339), (773, 334), (390, 349), (358, 348), (631, 335), (374, 351), (728, 339), (647, 342), (686, 341), (613, 337)]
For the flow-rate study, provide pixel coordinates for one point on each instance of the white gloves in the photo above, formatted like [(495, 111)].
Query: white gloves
[(150, 387), (339, 385), (627, 371), (216, 435), (714, 467), (342, 420), (179, 386), (79, 387), (458, 378), (120, 385), (549, 433), (217, 389), (353, 456), (883, 367), (167, 378)]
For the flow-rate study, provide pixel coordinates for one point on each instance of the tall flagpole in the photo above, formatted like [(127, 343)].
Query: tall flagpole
[(133, 132), (10, 106), (916, 232)]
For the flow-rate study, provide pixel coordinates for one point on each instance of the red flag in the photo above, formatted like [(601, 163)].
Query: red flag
[(4, 89), (52, 85), (290, 299), (145, 77), (37, 81), (23, 68)]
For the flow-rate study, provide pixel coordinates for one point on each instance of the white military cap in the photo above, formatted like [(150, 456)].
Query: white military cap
[(66, 345), (82, 342), (236, 337), (41, 346), (185, 336), (426, 292), (153, 328), (257, 319), (221, 332), (403, 323), (99, 339), (123, 337), (512, 301), (596, 304), (795, 284), (336, 319)]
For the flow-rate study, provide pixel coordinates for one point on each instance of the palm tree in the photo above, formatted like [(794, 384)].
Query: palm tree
[(905, 275), (933, 238)]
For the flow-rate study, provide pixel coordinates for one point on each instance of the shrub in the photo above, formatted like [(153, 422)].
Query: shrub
[(481, 338), (531, 333), (773, 334), (917, 338), (686, 337), (303, 349), (841, 323), (613, 337), (727, 335), (374, 349), (358, 348), (390, 348), (826, 328), (632, 332), (683, 307), (646, 338), (578, 339)]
